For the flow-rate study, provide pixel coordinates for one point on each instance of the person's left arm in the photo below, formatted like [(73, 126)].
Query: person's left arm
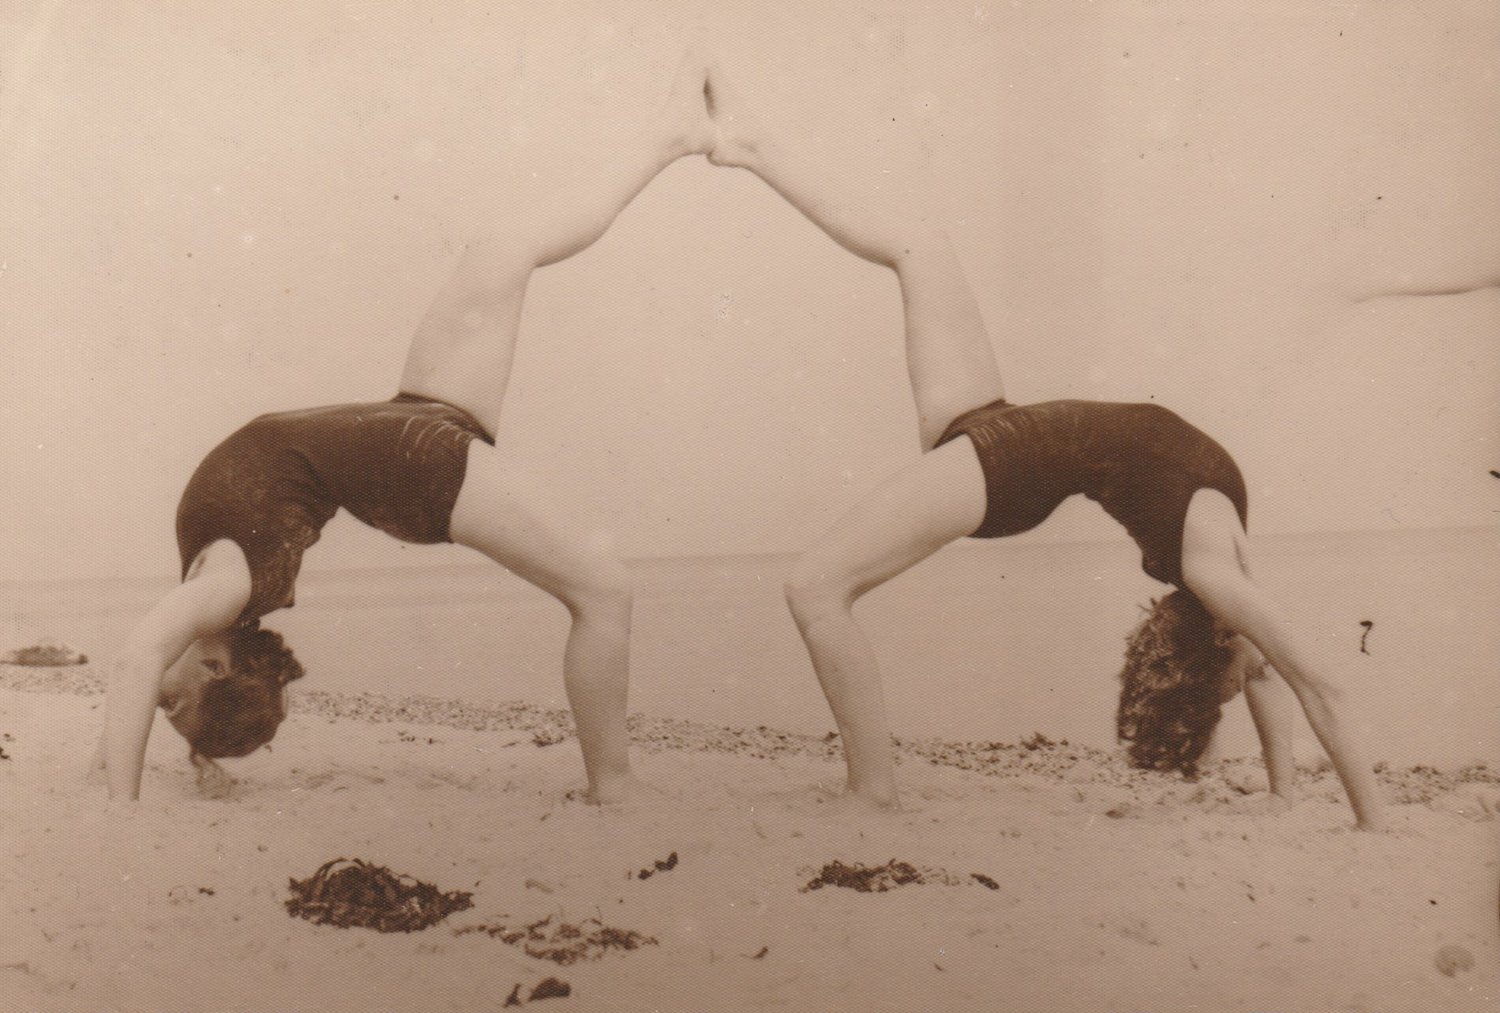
[(210, 600), (1272, 709)]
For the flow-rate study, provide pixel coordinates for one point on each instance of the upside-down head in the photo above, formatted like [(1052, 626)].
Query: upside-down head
[(1173, 683), (227, 694)]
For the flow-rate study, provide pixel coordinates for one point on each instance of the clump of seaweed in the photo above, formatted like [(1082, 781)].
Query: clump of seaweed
[(351, 892), (547, 988), (866, 879), (563, 942), (880, 878), (660, 865)]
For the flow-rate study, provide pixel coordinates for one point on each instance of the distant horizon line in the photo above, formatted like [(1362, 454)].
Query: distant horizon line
[(962, 545)]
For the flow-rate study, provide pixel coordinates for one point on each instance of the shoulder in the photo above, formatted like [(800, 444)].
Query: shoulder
[(219, 579), (210, 598)]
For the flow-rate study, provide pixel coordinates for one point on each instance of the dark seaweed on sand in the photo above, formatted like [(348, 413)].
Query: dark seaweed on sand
[(661, 865), (351, 892), (547, 988), (563, 942), (865, 879)]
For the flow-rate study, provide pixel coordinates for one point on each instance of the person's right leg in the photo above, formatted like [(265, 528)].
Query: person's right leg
[(882, 208), (500, 513), (938, 499), (463, 348)]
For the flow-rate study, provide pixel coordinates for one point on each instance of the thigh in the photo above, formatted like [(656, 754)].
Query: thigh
[(933, 501), (504, 514)]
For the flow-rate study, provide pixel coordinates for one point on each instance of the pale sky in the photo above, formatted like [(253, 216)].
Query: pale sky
[(1279, 219)]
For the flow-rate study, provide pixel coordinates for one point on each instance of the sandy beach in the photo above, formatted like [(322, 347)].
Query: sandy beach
[(1026, 875)]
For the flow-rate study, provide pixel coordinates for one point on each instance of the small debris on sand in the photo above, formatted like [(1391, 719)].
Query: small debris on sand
[(550, 988), (661, 865), (547, 988), (563, 942), (1453, 960), (351, 892), (880, 878), (865, 879)]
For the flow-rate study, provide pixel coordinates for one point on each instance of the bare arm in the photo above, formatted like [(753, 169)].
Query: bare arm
[(208, 601), (1215, 563), (1324, 705), (1271, 709)]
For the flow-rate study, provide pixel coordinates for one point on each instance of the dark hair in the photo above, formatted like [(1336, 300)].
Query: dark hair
[(1170, 693), (241, 712)]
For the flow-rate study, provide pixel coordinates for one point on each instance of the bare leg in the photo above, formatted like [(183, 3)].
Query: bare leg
[(501, 514), (939, 498), (1214, 566), (464, 347), (887, 211)]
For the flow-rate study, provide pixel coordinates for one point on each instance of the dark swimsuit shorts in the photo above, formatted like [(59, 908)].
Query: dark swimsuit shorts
[(271, 486), (1141, 462)]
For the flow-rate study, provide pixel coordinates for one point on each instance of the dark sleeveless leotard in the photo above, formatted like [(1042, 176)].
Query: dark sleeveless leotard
[(271, 486), (1140, 462)]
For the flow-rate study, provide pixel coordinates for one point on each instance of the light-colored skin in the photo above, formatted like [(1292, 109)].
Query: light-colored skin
[(942, 496), (461, 353)]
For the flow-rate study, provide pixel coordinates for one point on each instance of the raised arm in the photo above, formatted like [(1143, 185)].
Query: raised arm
[(878, 202), (207, 602)]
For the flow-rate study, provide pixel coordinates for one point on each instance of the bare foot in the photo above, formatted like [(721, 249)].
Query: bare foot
[(1264, 804), (1381, 825), (617, 790), (874, 798), (839, 801)]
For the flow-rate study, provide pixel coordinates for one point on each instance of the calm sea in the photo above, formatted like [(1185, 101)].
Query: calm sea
[(985, 641)]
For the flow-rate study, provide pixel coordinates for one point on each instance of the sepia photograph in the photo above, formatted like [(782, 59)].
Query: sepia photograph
[(671, 506)]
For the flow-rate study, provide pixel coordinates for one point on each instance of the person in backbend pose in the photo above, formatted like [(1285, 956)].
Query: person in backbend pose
[(422, 467), (989, 468)]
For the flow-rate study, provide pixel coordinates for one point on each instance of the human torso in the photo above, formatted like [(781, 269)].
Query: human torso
[(1140, 462), (273, 484)]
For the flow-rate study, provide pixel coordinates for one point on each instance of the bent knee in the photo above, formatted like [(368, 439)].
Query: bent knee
[(606, 593), (812, 594)]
